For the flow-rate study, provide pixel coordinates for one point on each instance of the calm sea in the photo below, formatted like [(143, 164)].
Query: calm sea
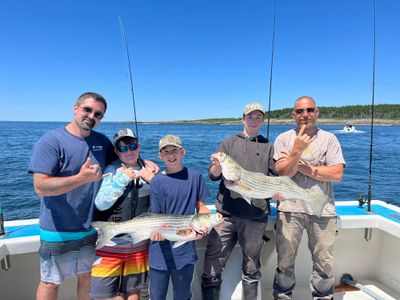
[(17, 139)]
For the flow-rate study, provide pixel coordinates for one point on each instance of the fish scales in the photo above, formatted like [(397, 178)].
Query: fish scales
[(268, 183), (172, 227), (257, 185)]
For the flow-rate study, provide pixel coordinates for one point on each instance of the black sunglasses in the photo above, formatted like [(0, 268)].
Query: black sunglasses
[(125, 148), (300, 111), (97, 114)]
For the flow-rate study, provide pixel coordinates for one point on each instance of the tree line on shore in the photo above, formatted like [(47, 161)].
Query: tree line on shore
[(381, 111)]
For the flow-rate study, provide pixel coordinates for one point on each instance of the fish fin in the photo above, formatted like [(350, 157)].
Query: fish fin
[(287, 179), (248, 200), (318, 202), (137, 237), (104, 233), (178, 244)]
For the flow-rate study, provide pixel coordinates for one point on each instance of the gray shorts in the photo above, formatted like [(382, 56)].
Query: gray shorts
[(62, 260)]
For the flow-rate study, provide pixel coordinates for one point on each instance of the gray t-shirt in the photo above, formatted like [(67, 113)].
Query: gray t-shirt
[(325, 150)]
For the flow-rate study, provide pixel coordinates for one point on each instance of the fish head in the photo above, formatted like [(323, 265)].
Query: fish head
[(203, 223), (231, 170)]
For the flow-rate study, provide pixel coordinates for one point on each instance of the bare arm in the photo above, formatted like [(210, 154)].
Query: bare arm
[(322, 173), (201, 207), (46, 185), (287, 164)]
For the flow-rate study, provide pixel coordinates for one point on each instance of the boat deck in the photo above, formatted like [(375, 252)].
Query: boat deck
[(375, 263)]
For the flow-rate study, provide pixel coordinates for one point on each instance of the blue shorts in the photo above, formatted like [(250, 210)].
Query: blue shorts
[(62, 260)]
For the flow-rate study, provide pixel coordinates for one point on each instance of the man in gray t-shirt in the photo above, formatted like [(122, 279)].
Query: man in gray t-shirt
[(313, 159)]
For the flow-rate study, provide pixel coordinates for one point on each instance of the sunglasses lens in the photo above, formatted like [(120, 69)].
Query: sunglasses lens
[(300, 111), (122, 149), (87, 110), (133, 147), (98, 115)]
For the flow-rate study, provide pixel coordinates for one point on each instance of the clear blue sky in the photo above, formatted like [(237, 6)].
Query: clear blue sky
[(192, 59)]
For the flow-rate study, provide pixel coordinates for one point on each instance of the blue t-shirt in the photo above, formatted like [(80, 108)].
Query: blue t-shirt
[(59, 153), (178, 194)]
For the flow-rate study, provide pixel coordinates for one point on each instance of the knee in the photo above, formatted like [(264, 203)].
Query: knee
[(211, 281), (49, 285)]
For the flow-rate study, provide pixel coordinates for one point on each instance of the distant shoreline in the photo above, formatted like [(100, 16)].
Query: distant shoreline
[(382, 122)]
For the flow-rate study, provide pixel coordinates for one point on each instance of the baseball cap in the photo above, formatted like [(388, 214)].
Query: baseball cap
[(125, 132), (252, 107), (170, 140)]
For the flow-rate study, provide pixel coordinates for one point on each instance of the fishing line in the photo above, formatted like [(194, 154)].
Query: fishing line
[(130, 72), (271, 70), (125, 41), (372, 110)]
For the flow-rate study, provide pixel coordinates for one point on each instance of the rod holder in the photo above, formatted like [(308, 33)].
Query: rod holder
[(367, 234), (5, 263)]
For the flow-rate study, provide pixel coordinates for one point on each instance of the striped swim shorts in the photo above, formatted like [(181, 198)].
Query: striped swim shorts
[(120, 270)]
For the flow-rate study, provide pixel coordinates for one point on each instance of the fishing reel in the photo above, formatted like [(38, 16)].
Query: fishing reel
[(361, 200)]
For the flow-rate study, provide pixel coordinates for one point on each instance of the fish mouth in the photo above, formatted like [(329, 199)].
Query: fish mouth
[(230, 183)]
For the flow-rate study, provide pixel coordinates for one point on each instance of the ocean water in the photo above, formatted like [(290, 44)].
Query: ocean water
[(200, 141)]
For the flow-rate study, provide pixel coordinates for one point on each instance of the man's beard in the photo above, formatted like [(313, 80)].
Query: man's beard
[(87, 124)]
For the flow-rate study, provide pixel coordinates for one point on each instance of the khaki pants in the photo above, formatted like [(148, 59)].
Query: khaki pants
[(321, 233)]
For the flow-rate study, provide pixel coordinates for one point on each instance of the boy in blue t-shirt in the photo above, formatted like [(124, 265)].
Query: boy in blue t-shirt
[(176, 190)]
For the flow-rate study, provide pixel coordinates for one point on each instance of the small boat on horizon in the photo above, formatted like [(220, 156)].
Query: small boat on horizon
[(349, 127)]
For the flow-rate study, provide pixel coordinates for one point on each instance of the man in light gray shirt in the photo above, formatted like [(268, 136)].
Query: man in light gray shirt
[(313, 159)]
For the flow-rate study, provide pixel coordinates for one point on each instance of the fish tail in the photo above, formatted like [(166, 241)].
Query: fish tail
[(104, 233), (318, 202)]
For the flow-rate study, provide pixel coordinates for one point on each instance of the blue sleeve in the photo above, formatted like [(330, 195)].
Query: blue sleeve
[(155, 205), (203, 190), (112, 187), (45, 157)]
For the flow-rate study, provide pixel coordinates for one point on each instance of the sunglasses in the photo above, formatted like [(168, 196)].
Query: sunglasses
[(125, 148), (300, 111), (97, 114)]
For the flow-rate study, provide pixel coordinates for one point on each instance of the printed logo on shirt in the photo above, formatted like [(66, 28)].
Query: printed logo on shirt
[(97, 148)]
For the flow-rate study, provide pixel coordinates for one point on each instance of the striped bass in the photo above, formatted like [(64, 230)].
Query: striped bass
[(257, 185), (178, 228)]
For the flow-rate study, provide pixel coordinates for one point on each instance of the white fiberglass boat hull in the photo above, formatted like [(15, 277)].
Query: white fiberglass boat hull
[(375, 263)]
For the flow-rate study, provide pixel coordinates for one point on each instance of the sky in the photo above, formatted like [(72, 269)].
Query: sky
[(193, 59)]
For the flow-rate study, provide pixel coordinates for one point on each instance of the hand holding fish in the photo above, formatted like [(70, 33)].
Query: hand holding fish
[(156, 237), (215, 168), (278, 197)]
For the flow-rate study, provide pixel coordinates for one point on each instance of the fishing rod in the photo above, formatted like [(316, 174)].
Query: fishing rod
[(125, 41), (271, 70), (372, 110), (361, 198)]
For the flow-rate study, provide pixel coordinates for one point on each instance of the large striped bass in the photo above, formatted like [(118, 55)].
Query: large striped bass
[(178, 228), (257, 185)]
